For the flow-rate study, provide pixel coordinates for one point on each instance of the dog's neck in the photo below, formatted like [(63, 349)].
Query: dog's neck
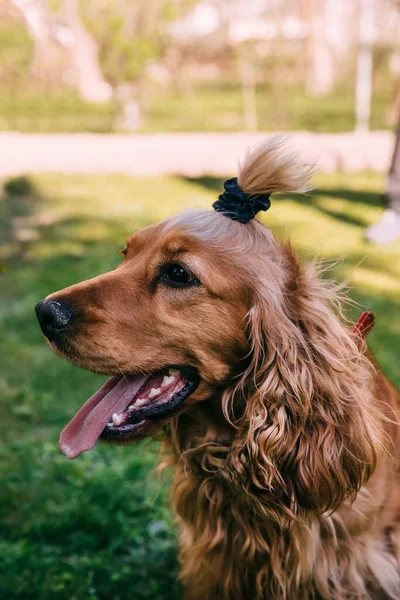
[(201, 426)]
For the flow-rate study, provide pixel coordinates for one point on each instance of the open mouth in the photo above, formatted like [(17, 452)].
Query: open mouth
[(128, 406)]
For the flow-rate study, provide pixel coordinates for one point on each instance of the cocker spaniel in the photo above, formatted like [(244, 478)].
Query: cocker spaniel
[(282, 429)]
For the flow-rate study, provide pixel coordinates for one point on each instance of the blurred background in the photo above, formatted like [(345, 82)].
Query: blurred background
[(198, 65), (114, 114)]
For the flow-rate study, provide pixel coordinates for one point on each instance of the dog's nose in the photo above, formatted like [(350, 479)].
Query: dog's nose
[(53, 317)]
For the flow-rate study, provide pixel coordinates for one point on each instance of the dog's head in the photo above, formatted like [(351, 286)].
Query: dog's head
[(167, 323), (203, 307)]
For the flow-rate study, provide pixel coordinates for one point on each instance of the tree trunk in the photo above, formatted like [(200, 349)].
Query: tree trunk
[(82, 51), (364, 65), (320, 60), (42, 61), (249, 97), (90, 82)]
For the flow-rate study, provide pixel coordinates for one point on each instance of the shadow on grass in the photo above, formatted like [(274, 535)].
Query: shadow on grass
[(315, 198), (18, 202)]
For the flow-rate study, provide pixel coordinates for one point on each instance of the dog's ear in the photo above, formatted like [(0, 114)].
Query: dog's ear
[(308, 433)]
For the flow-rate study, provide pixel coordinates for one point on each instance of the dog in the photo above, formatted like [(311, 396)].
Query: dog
[(282, 431)]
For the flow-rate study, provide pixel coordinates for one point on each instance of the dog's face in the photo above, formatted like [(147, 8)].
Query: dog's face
[(168, 323)]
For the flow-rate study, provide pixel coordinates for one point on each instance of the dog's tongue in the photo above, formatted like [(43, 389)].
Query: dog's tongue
[(83, 431)]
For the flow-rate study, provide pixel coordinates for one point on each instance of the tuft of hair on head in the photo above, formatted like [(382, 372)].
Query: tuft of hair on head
[(271, 167)]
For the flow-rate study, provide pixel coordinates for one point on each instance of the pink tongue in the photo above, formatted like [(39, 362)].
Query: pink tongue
[(83, 431)]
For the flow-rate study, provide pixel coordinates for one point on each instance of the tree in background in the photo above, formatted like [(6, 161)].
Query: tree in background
[(63, 51), (265, 59), (129, 36)]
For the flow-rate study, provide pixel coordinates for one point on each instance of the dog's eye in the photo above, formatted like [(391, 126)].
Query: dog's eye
[(176, 274)]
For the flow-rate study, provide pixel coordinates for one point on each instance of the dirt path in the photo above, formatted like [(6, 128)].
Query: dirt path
[(190, 154)]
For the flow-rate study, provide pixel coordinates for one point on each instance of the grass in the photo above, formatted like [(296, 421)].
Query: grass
[(283, 107), (216, 107), (99, 527), (44, 111)]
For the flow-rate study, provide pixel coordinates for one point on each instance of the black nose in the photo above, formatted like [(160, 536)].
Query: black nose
[(53, 317)]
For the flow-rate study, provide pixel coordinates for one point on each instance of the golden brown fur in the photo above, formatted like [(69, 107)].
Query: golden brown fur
[(286, 458)]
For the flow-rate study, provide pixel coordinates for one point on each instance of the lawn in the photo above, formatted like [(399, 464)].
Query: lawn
[(207, 107), (99, 527)]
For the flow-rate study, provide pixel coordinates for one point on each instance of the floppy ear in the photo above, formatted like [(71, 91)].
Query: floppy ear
[(308, 433)]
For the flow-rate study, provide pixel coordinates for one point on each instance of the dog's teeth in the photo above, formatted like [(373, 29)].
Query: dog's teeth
[(154, 392), (131, 407), (167, 380), (173, 372), (117, 419), (139, 402)]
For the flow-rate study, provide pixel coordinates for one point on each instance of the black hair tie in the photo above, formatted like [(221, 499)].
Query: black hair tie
[(235, 204)]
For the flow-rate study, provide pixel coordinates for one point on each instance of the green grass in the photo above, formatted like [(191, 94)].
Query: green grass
[(217, 107), (44, 111), (99, 527), (220, 108)]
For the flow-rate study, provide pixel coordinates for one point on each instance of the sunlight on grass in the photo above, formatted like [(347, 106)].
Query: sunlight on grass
[(375, 281), (44, 249)]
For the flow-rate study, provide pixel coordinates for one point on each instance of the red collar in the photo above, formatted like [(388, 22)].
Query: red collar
[(363, 325)]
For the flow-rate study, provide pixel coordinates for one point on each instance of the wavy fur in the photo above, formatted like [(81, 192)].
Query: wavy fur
[(273, 502)]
